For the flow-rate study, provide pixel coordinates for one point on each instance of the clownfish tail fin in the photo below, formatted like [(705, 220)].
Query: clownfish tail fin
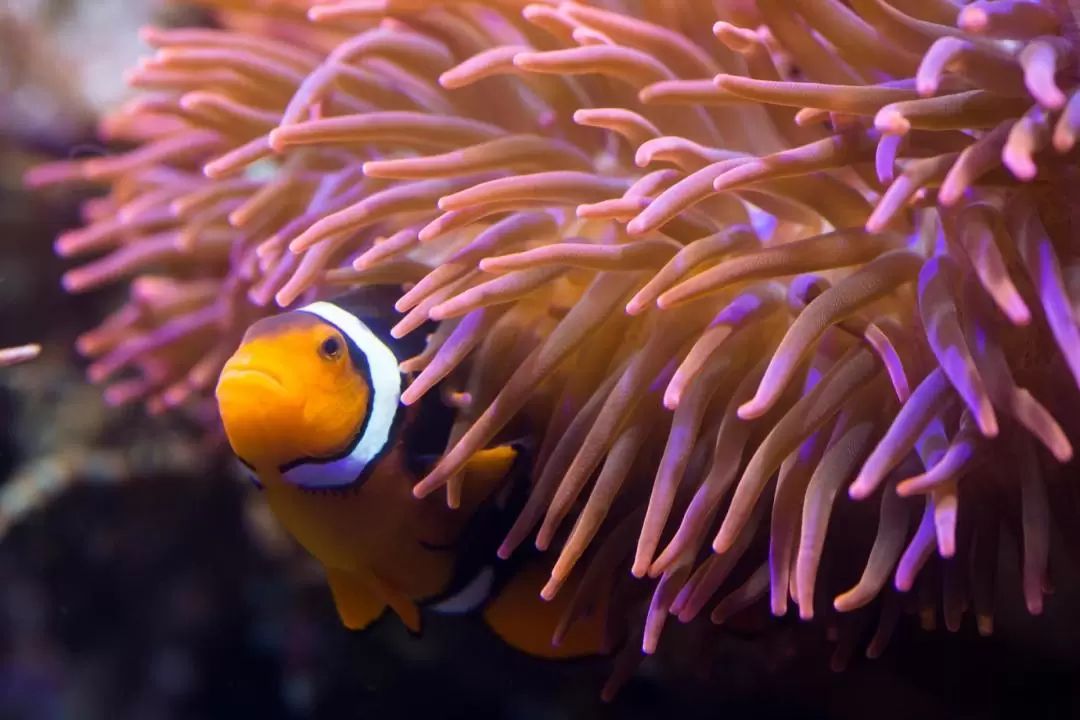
[(531, 624)]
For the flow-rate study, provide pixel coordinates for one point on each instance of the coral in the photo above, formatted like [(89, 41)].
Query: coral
[(726, 275)]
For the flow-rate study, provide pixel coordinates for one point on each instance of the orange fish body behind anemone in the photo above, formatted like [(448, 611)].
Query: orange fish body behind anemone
[(311, 405)]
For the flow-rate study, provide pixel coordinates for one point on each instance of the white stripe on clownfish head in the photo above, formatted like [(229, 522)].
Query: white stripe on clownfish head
[(386, 398)]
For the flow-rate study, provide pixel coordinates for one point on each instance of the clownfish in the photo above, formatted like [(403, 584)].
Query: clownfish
[(311, 406)]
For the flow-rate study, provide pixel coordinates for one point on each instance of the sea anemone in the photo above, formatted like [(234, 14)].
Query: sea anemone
[(726, 274)]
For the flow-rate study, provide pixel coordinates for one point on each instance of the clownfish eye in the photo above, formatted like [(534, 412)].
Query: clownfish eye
[(330, 349)]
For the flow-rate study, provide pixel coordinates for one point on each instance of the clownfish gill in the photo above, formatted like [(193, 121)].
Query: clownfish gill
[(311, 405)]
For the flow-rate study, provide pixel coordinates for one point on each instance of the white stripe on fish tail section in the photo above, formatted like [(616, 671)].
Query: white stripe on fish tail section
[(386, 399), (469, 597)]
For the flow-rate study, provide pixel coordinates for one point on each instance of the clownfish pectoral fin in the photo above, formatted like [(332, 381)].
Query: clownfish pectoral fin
[(361, 598), (527, 622), (485, 471), (356, 604), (405, 608)]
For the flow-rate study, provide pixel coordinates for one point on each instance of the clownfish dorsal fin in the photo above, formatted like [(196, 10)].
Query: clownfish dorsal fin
[(361, 597), (495, 471), (491, 466), (484, 472)]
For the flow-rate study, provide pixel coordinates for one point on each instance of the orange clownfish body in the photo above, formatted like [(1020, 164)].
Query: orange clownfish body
[(311, 405)]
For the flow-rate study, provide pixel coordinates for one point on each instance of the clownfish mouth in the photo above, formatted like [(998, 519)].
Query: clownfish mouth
[(252, 376), (246, 393), (258, 413)]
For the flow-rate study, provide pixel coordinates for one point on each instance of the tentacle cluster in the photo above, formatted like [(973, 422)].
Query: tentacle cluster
[(822, 254)]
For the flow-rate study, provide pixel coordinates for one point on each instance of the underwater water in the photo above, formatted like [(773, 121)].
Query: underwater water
[(142, 579)]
